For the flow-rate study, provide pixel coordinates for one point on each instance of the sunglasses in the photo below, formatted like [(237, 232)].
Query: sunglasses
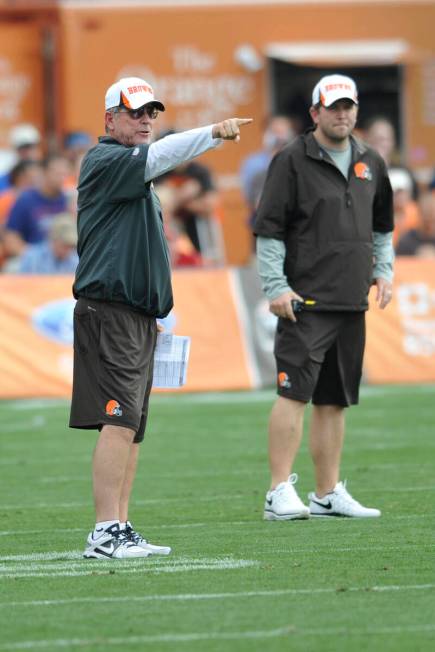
[(136, 114)]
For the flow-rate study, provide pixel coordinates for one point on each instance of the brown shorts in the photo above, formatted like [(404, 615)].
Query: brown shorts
[(113, 366), (320, 357)]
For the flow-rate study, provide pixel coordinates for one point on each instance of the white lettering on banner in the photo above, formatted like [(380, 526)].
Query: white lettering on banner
[(199, 93), (187, 58), (13, 88), (416, 302)]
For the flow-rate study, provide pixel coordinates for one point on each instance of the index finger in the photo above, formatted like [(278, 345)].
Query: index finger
[(244, 121)]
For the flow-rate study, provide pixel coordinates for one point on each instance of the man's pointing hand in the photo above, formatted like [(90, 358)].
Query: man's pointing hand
[(230, 129)]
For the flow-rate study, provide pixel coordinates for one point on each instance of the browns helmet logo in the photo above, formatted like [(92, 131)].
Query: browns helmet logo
[(113, 409), (362, 171), (283, 380)]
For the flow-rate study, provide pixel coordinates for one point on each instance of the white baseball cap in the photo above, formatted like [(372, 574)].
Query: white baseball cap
[(400, 179), (24, 135), (334, 87), (133, 92)]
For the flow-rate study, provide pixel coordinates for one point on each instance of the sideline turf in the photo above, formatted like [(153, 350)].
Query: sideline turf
[(234, 582)]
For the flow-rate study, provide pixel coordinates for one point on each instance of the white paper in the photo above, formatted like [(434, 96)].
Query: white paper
[(171, 358)]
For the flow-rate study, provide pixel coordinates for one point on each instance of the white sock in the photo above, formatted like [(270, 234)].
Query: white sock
[(103, 525), (122, 525)]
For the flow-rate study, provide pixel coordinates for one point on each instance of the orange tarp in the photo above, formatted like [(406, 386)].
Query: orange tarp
[(35, 333), (401, 339)]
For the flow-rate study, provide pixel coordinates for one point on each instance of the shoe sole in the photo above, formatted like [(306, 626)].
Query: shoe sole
[(99, 555), (271, 516), (163, 550), (344, 515)]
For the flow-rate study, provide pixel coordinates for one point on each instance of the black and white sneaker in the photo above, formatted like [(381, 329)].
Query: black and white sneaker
[(138, 540), (112, 543), (283, 503), (340, 503)]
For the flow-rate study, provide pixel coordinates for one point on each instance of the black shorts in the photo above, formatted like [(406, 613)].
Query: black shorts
[(320, 357), (113, 366)]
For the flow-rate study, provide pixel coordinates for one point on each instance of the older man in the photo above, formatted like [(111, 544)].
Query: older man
[(122, 285)]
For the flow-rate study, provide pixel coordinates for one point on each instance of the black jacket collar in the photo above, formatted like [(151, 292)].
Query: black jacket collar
[(313, 149)]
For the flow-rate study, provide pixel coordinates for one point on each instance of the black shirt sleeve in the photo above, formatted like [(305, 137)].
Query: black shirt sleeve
[(277, 199), (383, 212)]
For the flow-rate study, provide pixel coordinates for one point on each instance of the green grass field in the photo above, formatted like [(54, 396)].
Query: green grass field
[(234, 582)]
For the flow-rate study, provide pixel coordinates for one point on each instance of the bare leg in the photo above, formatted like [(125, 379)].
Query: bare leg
[(285, 434), (128, 482), (110, 463), (326, 443)]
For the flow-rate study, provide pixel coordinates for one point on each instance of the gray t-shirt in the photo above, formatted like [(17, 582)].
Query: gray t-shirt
[(341, 158)]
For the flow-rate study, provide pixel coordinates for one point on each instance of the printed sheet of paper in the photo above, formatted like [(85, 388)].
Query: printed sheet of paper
[(171, 358)]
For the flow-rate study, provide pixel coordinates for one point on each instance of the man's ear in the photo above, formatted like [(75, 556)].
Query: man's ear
[(108, 120), (314, 113)]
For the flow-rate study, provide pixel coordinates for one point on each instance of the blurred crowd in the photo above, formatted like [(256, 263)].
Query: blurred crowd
[(38, 207), (38, 200), (414, 205)]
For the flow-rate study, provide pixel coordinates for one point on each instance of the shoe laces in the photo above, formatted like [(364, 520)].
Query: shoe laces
[(132, 535), (287, 488), (343, 494), (118, 534)]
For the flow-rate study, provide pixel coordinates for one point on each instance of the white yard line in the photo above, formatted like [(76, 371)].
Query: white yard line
[(226, 524), (203, 499), (288, 632), (77, 554), (158, 638), (129, 568), (187, 597), (71, 564)]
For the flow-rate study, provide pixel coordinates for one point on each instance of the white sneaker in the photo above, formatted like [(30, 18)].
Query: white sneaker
[(283, 503), (112, 544), (138, 540), (340, 503)]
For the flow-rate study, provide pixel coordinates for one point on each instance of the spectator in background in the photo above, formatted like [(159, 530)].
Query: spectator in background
[(278, 133), (406, 215), (420, 241), (31, 215), (181, 249), (75, 146), (25, 141), (25, 174), (379, 133), (194, 229), (57, 255), (197, 210)]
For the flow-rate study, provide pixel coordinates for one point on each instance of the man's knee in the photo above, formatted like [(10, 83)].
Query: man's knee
[(109, 432)]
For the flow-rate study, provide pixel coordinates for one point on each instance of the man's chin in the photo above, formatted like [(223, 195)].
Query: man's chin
[(142, 139)]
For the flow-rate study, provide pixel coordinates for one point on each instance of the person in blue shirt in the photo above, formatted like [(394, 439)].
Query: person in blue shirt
[(25, 141), (279, 132), (31, 215), (57, 255)]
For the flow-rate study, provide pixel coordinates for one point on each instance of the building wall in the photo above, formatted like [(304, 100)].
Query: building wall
[(188, 55)]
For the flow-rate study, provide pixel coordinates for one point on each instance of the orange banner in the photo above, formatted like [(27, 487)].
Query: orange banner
[(36, 333), (401, 339)]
